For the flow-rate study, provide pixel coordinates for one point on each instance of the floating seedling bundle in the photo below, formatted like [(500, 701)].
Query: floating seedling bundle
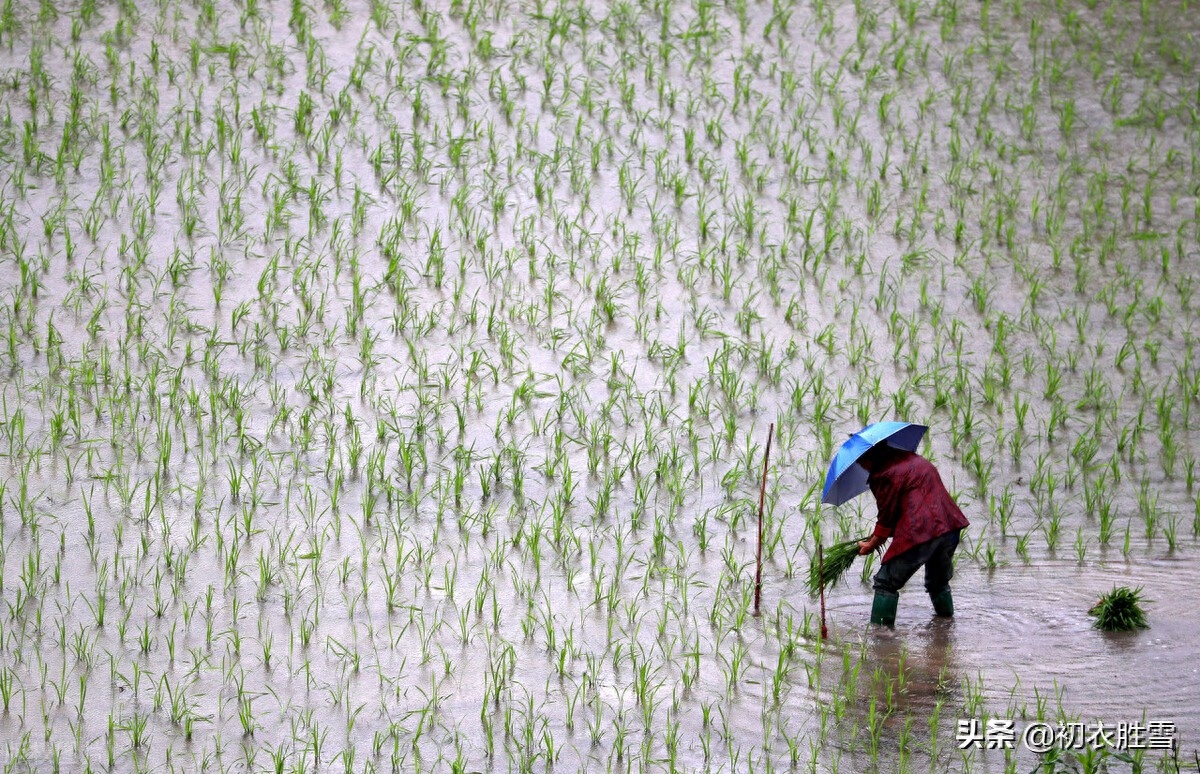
[(1120, 610), (824, 572)]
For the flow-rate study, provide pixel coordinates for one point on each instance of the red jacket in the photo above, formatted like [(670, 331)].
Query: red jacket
[(913, 502)]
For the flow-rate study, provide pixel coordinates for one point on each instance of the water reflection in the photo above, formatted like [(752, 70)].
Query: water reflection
[(1021, 648)]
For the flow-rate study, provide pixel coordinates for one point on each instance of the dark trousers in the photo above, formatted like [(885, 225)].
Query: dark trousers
[(936, 555)]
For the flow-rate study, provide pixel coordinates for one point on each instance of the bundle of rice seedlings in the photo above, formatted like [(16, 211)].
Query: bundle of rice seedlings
[(837, 560), (1120, 610)]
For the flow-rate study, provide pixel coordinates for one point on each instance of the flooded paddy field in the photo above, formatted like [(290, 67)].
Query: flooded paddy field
[(386, 386)]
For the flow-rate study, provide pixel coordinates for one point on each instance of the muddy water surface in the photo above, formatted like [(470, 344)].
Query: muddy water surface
[(386, 388)]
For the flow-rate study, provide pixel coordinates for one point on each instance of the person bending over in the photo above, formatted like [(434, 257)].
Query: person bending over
[(923, 522)]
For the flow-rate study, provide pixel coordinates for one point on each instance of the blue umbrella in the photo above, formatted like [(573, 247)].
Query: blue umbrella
[(846, 478)]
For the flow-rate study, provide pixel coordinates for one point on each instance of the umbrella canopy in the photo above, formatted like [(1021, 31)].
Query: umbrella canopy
[(847, 479)]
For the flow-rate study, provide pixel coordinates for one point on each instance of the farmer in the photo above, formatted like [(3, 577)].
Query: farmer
[(923, 521)]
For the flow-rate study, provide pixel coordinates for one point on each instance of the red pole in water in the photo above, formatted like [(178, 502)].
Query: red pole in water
[(762, 496), (821, 568)]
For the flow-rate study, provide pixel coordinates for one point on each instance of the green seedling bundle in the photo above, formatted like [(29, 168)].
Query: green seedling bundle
[(383, 386), (1120, 610), (825, 572)]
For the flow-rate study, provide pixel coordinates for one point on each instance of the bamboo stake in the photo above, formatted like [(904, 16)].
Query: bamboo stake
[(762, 497), (821, 566)]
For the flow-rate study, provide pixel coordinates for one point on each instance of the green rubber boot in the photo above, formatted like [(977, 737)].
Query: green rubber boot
[(883, 609), (943, 604)]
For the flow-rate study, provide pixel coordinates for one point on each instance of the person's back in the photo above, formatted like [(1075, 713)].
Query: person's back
[(913, 501)]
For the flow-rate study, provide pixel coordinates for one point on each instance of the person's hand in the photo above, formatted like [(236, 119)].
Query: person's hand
[(877, 538)]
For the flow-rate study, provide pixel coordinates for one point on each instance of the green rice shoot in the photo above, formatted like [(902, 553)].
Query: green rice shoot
[(837, 559), (1120, 610)]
